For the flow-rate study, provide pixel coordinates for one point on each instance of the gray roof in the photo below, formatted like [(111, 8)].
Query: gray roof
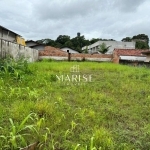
[(8, 30)]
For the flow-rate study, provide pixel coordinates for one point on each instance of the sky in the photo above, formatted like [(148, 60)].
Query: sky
[(107, 19)]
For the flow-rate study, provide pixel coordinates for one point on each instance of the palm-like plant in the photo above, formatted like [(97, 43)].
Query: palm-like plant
[(103, 48)]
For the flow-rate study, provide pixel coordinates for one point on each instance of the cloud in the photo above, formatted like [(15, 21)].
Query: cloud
[(95, 19), (56, 9), (128, 6)]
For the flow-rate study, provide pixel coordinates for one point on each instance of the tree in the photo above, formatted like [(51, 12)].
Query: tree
[(50, 42), (85, 50), (103, 48), (78, 42), (93, 40), (141, 45), (127, 39), (141, 41), (68, 44), (141, 37), (62, 39)]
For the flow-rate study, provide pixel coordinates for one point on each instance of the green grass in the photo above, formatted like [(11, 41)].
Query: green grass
[(109, 113)]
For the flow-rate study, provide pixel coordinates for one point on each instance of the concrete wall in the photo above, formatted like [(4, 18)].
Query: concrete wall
[(16, 51), (57, 54), (73, 58), (113, 44)]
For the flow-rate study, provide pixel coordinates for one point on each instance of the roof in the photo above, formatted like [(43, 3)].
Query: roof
[(130, 52), (8, 30), (52, 51), (68, 48), (36, 43), (30, 41)]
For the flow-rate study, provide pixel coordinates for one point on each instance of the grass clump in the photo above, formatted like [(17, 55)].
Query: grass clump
[(15, 68)]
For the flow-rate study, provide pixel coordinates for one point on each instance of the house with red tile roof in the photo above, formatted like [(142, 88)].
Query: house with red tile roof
[(129, 55)]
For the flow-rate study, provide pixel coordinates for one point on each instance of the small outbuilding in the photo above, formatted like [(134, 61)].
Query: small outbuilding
[(70, 50), (129, 56)]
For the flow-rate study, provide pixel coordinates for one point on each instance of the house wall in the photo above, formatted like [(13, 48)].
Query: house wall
[(39, 47), (113, 44), (8, 35), (147, 58), (70, 50), (31, 43), (74, 58), (133, 58), (115, 58), (17, 50)]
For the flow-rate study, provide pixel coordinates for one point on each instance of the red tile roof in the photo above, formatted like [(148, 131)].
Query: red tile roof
[(52, 51), (130, 52)]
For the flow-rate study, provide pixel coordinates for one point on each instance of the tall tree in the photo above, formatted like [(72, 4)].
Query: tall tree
[(141, 45), (93, 40), (62, 39), (127, 39), (141, 37), (68, 44), (78, 42), (141, 41)]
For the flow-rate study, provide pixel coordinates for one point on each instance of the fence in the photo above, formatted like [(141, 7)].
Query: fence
[(16, 51), (57, 54)]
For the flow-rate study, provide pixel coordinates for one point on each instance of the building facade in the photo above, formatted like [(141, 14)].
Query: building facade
[(8, 35), (111, 46)]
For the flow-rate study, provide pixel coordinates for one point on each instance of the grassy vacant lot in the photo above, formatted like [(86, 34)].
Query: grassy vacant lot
[(112, 112)]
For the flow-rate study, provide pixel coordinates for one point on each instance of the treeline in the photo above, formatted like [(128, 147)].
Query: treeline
[(76, 43), (142, 41)]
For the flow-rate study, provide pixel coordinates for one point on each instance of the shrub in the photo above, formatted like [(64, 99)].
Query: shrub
[(15, 68)]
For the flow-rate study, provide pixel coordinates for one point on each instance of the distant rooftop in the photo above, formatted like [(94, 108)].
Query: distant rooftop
[(8, 30)]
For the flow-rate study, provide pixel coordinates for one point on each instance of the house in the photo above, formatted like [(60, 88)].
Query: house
[(129, 55), (35, 45), (70, 50), (110, 44), (8, 35)]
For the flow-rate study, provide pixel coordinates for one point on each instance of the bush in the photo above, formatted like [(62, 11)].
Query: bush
[(14, 68)]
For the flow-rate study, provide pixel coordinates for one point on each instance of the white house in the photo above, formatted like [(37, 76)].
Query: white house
[(70, 50), (111, 44)]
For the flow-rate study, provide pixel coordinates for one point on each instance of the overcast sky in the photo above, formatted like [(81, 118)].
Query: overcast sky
[(110, 19)]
